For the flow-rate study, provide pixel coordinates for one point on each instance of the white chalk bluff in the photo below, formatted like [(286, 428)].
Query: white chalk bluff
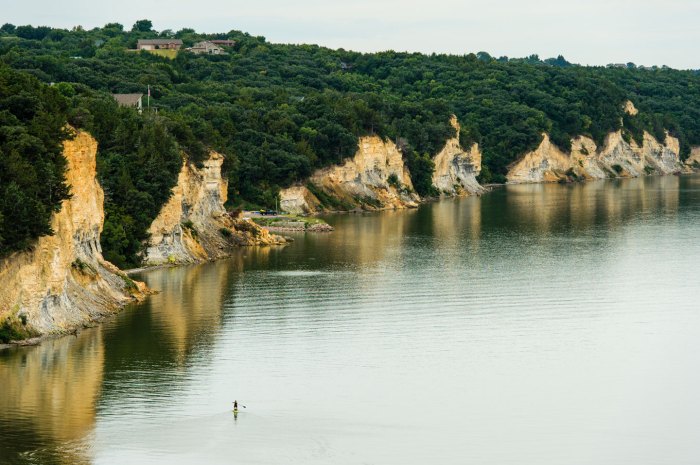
[(193, 226), (376, 178), (618, 157), (63, 282), (456, 169)]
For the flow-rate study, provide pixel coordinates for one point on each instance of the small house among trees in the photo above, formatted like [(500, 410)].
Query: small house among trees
[(159, 44), (130, 100), (206, 48), (223, 42)]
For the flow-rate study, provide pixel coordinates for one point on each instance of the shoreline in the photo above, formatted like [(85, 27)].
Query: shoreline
[(37, 340), (154, 267)]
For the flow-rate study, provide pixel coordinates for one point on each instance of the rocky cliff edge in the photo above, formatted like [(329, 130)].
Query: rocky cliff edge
[(618, 157), (193, 226), (456, 169), (376, 178), (63, 282)]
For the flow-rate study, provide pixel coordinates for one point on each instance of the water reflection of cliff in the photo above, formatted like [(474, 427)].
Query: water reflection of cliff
[(358, 240), (50, 394), (462, 214), (181, 321), (548, 208), (47, 406)]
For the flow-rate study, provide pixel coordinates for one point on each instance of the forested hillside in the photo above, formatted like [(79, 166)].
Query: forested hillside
[(32, 168), (277, 112)]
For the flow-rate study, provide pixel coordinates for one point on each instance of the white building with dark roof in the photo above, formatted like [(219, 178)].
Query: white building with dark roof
[(159, 44), (206, 48)]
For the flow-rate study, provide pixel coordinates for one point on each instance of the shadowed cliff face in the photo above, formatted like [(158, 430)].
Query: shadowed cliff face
[(194, 226), (63, 281)]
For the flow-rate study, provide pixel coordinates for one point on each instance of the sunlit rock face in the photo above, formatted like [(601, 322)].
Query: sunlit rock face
[(64, 282), (620, 156), (547, 163), (456, 169), (376, 178), (617, 158), (194, 226), (299, 200), (692, 163), (630, 109)]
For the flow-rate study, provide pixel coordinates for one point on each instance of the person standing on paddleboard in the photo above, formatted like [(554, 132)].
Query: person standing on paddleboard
[(235, 405)]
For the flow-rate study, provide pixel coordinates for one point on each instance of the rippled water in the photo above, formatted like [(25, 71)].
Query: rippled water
[(538, 324)]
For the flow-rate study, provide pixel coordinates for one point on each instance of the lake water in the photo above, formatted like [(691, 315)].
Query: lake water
[(540, 324)]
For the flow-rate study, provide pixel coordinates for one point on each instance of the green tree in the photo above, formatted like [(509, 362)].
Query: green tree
[(32, 166), (142, 25)]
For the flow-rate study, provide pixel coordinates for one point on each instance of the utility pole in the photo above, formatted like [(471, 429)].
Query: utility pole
[(148, 99)]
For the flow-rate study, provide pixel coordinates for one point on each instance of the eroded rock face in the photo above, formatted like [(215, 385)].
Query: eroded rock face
[(298, 200), (693, 161), (545, 164), (664, 158), (64, 282), (617, 158), (629, 108), (375, 178), (456, 169), (194, 226)]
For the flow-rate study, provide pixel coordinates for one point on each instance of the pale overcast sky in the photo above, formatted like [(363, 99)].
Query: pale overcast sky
[(597, 32)]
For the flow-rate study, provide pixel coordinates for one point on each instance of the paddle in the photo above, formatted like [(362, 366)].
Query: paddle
[(242, 406)]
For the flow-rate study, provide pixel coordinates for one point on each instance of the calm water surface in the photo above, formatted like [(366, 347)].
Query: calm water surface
[(539, 324)]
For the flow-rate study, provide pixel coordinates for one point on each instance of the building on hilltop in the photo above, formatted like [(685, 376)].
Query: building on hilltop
[(130, 100), (159, 44), (206, 48), (224, 42)]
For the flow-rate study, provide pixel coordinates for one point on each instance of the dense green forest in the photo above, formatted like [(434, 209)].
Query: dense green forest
[(32, 167), (277, 112)]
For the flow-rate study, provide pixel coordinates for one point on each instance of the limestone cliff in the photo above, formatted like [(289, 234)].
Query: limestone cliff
[(617, 158), (194, 226), (629, 108), (64, 282), (455, 168), (299, 200), (693, 161), (376, 178), (544, 164)]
